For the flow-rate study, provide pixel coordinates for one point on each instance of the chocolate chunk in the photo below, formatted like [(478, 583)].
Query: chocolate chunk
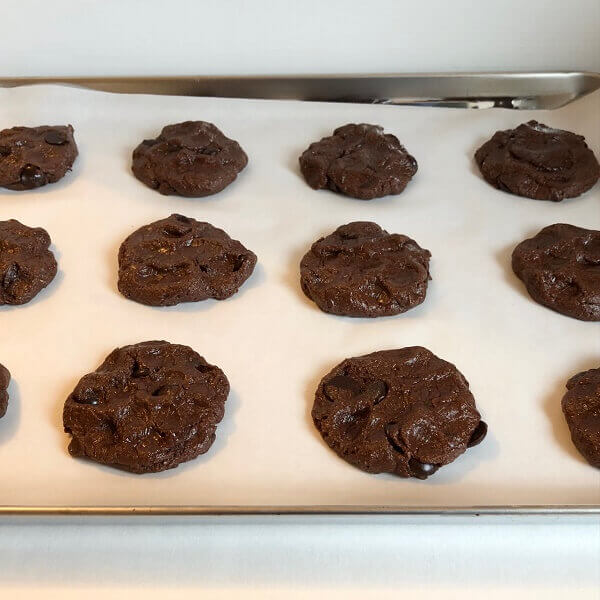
[(375, 391), (32, 177), (404, 411), (360, 270), (31, 157), (359, 161), (559, 267), (421, 470), (478, 435), (26, 264), (191, 159), (172, 261), (4, 382), (56, 137), (87, 396), (581, 407), (341, 383), (10, 276), (148, 407), (538, 162)]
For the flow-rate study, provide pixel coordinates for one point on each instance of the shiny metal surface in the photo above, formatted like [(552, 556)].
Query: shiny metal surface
[(222, 511), (462, 90), (546, 90)]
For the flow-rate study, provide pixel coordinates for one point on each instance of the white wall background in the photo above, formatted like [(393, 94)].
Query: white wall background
[(123, 37)]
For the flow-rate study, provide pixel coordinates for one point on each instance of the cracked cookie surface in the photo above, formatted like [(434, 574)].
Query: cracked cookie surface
[(148, 407), (31, 157), (537, 161), (360, 270), (26, 264), (581, 407), (560, 266), (179, 259), (359, 161), (404, 411), (191, 159)]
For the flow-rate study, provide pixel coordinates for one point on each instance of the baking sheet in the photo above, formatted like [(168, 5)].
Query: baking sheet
[(274, 344)]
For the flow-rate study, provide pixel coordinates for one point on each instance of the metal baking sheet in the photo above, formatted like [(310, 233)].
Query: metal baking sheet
[(460, 90), (272, 342)]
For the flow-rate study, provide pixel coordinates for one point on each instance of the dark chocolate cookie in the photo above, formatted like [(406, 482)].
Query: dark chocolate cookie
[(179, 259), (148, 407), (4, 381), (359, 161), (26, 264), (538, 162), (191, 159), (34, 156), (561, 268), (581, 406), (360, 270), (404, 411)]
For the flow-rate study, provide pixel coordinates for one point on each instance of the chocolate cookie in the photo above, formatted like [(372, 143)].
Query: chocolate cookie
[(179, 259), (404, 411), (359, 161), (581, 406), (360, 270), (148, 407), (538, 162), (31, 157), (26, 264), (561, 268), (4, 381), (189, 159)]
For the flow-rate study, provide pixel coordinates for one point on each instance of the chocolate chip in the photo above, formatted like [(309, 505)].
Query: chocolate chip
[(376, 391), (32, 177), (56, 138), (239, 263), (341, 382), (139, 370), (89, 396), (392, 433), (174, 231), (165, 389), (5, 150), (10, 276), (478, 435), (421, 470), (209, 150), (181, 218)]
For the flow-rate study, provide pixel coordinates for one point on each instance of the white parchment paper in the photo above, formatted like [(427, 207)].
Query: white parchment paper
[(274, 344)]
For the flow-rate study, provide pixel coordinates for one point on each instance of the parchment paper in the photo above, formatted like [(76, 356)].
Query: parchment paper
[(273, 343)]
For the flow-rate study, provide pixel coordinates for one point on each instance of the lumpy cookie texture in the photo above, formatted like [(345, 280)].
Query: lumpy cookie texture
[(359, 161), (4, 381), (581, 407), (560, 267), (537, 161), (26, 263), (179, 259), (191, 159), (31, 157), (361, 270), (148, 407), (405, 412)]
